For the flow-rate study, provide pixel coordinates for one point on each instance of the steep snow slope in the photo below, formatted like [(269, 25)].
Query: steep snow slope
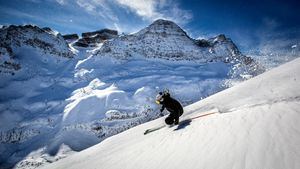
[(257, 127)]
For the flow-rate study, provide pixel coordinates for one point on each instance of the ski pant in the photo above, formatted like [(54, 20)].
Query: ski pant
[(173, 117)]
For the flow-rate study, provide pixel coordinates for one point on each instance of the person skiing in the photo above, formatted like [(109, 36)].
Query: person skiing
[(172, 105)]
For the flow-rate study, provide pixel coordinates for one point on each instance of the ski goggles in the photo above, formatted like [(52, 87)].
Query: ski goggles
[(159, 98)]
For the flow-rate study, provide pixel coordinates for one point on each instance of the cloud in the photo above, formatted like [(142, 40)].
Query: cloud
[(148, 9), (89, 7), (61, 2), (27, 18), (178, 15), (17, 13), (101, 8), (34, 1), (117, 12), (153, 9)]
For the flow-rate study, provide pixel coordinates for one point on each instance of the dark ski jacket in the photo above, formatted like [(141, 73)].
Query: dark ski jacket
[(172, 105)]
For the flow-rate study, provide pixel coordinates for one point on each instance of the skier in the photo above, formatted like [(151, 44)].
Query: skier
[(172, 105)]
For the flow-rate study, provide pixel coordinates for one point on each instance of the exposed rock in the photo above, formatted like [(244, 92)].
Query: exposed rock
[(82, 43), (92, 39), (107, 32), (17, 135), (70, 37), (9, 67), (49, 30), (14, 39), (203, 43)]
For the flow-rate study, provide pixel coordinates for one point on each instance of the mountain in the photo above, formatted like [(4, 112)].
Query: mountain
[(257, 126), (20, 40), (164, 39), (57, 98)]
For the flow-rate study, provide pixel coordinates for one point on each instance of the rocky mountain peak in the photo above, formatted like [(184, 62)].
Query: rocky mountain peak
[(13, 37), (163, 27), (14, 40), (166, 40), (164, 24)]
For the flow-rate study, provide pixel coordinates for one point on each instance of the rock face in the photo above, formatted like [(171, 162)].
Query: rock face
[(105, 33), (18, 135), (92, 39), (70, 37), (219, 45), (15, 39)]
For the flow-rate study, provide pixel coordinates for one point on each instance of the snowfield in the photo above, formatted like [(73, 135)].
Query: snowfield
[(257, 126)]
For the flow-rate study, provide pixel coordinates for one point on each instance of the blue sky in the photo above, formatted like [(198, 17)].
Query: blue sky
[(253, 25)]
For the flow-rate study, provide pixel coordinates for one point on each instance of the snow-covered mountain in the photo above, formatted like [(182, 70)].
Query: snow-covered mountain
[(250, 130), (19, 42), (164, 39), (59, 98)]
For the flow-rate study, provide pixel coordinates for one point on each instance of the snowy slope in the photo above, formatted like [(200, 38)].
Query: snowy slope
[(257, 127), (63, 99)]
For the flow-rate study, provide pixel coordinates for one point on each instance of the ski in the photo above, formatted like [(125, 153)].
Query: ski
[(153, 129), (181, 123)]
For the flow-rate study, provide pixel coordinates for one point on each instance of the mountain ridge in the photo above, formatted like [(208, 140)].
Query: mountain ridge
[(165, 39)]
